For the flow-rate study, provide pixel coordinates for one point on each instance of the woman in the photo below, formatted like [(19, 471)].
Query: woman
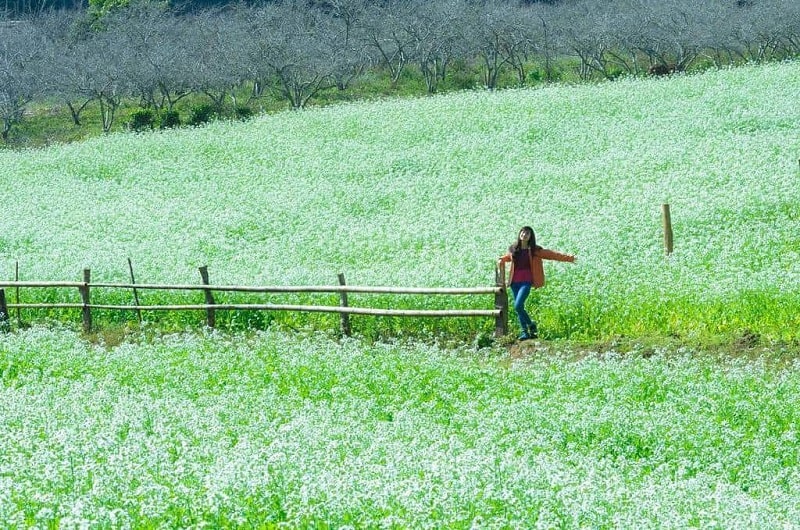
[(527, 272)]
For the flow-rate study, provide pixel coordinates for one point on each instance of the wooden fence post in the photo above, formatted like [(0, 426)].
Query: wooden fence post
[(4, 319), (135, 293), (345, 317), (666, 219), (500, 302), (16, 279), (211, 317), (85, 298)]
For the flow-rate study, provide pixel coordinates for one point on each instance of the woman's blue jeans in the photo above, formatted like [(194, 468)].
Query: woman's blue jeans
[(520, 291)]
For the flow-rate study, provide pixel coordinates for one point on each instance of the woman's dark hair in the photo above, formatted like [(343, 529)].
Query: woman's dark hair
[(517, 246)]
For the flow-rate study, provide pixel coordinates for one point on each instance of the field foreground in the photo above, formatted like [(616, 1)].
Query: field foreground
[(274, 429)]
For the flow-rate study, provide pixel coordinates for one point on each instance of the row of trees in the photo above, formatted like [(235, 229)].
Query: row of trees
[(298, 48), (19, 8)]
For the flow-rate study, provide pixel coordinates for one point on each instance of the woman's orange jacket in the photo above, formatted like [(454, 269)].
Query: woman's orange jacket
[(537, 268)]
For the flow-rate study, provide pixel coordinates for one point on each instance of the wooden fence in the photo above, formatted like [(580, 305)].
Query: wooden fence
[(499, 313)]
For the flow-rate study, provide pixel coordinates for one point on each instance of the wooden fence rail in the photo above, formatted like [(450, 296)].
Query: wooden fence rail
[(86, 287)]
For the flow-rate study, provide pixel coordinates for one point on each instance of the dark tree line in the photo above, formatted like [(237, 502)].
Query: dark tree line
[(18, 8), (297, 48)]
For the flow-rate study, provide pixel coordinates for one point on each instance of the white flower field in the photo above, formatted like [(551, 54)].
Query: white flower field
[(263, 427), (276, 431), (429, 192)]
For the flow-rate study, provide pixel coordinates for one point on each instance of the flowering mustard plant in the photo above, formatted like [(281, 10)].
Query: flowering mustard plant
[(428, 192)]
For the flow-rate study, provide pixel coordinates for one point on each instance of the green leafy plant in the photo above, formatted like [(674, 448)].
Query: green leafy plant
[(202, 113), (141, 120), (169, 119)]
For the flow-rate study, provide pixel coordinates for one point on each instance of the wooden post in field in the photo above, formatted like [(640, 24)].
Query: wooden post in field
[(211, 317), (85, 298), (4, 320), (135, 293), (500, 302), (16, 279), (666, 219), (345, 317)]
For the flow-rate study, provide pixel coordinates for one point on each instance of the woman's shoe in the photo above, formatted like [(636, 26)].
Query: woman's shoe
[(524, 336), (533, 332)]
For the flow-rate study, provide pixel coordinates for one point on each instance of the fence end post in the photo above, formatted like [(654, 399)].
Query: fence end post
[(211, 317), (666, 219), (4, 318), (16, 279), (86, 300), (345, 317), (500, 302), (135, 293)]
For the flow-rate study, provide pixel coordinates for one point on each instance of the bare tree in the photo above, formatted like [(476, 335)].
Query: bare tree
[(499, 38), (155, 53), (349, 61), (481, 29), (586, 32), (540, 19), (258, 26), (29, 9), (100, 74), (385, 32), (677, 32), (350, 13), (67, 30), (87, 64), (298, 56), (343, 37), (23, 50), (790, 27), (72, 78), (518, 42), (217, 59), (759, 30), (625, 26), (436, 32), (721, 45)]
